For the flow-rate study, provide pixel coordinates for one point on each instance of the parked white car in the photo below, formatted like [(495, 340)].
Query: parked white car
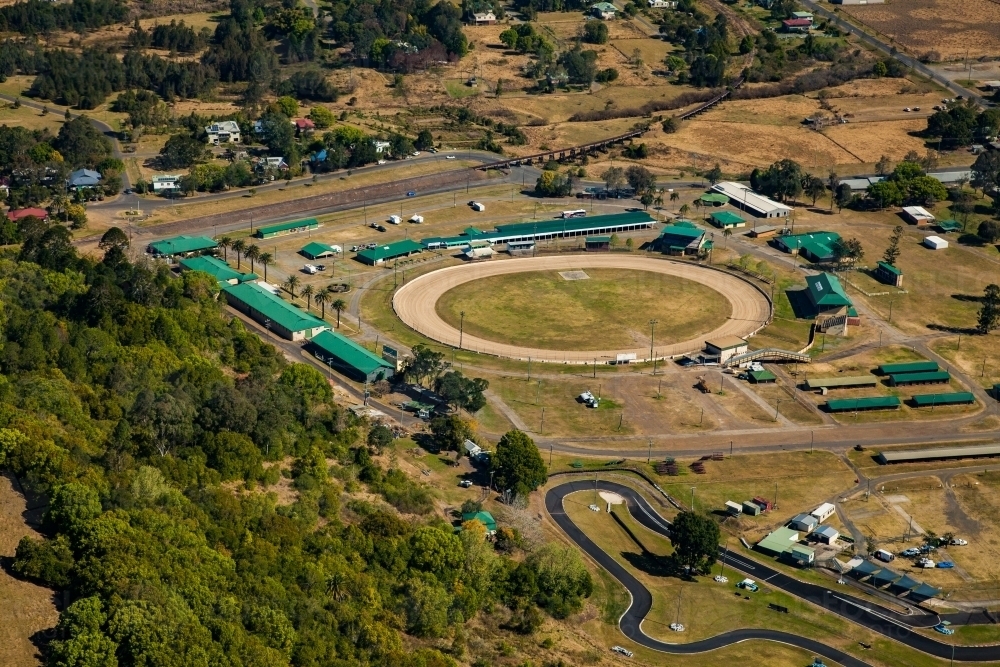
[(959, 542), (925, 562), (310, 269)]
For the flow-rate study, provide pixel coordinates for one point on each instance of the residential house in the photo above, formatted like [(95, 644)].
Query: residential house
[(484, 18), (604, 10), (382, 147), (223, 132), (83, 178), (304, 126), (166, 182)]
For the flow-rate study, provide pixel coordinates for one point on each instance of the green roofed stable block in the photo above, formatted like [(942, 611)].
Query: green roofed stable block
[(273, 312), (930, 377), (216, 268), (270, 231), (317, 250), (348, 357), (726, 219), (794, 242), (862, 404), (378, 255), (908, 367), (953, 398), (179, 245), (548, 229)]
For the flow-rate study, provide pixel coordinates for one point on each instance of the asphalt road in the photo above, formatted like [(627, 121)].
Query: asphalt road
[(886, 622)]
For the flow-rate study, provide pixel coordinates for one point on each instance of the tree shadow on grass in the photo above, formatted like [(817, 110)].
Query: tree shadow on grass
[(965, 331), (970, 298)]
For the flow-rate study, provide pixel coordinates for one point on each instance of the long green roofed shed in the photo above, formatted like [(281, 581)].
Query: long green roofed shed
[(353, 360), (269, 231), (908, 367), (861, 404), (389, 251), (178, 245), (273, 312)]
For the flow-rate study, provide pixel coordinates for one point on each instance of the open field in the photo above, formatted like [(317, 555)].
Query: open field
[(611, 307), (27, 608), (925, 26), (29, 118)]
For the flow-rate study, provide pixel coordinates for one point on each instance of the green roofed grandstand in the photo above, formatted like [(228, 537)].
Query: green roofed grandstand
[(292, 227), (548, 229), (272, 311), (181, 245), (862, 404), (908, 367), (378, 255), (681, 239), (727, 219), (953, 398), (351, 359), (930, 377), (714, 198), (316, 250), (816, 247), (216, 268), (826, 294)]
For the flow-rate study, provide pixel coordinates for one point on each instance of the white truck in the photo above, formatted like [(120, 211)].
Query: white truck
[(417, 218), (884, 556), (476, 206), (395, 220)]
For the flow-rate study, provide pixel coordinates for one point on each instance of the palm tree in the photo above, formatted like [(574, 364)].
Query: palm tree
[(321, 297), (339, 305), (225, 243), (238, 246), (252, 252), (727, 232), (265, 259), (291, 284), (684, 210), (659, 198), (697, 204), (674, 196), (308, 292)]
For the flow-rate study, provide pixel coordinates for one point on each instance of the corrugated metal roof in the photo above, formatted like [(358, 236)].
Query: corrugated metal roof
[(897, 379), (779, 541), (215, 267), (825, 290), (889, 267), (389, 251), (908, 367), (953, 398), (316, 249), (177, 245), (971, 451), (869, 403), (726, 342), (727, 218), (287, 226), (546, 228), (792, 241), (846, 381), (349, 352), (762, 376), (274, 307)]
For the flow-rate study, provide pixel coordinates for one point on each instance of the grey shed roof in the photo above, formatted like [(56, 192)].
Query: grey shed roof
[(935, 453), (807, 519)]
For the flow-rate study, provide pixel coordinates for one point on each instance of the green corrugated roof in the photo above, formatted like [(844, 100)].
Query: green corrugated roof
[(682, 231), (917, 378), (598, 239), (714, 198), (547, 227), (890, 268), (383, 252), (820, 251), (762, 376), (727, 218), (483, 517), (180, 244), (792, 241), (349, 352), (825, 290), (274, 307), (908, 367), (315, 249), (215, 267), (780, 541), (286, 226), (953, 398), (870, 403)]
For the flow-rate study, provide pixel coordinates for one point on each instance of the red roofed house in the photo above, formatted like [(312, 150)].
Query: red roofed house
[(797, 25), (304, 125), (39, 213)]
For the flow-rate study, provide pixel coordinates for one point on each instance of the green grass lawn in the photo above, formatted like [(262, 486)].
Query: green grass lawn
[(612, 308), (457, 89)]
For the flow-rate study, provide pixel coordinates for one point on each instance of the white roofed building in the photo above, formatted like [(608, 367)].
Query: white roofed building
[(742, 196), (223, 132)]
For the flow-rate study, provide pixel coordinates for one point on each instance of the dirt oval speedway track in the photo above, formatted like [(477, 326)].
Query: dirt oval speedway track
[(415, 303)]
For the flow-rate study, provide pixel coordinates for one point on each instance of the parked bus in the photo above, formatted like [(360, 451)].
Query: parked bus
[(578, 213)]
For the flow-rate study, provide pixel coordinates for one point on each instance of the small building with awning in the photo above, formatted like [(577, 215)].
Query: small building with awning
[(316, 250), (727, 220)]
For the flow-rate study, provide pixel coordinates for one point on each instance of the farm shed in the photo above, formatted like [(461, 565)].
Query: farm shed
[(935, 243), (270, 310), (953, 398), (826, 534), (908, 367), (905, 379), (681, 239), (317, 250), (763, 231), (472, 450), (802, 553), (939, 454), (181, 245), (751, 508), (804, 522), (862, 404), (779, 541), (824, 512), (727, 220), (598, 244), (761, 377), (743, 197), (345, 356), (733, 509), (216, 268), (888, 274), (270, 231), (375, 256), (726, 347), (918, 215), (850, 381)]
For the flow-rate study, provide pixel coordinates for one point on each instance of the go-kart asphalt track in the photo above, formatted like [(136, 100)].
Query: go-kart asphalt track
[(879, 619), (415, 302)]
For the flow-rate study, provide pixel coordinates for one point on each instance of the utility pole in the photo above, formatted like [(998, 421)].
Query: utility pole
[(550, 456), (541, 427), (652, 328), (692, 499), (461, 329), (649, 453), (775, 495)]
